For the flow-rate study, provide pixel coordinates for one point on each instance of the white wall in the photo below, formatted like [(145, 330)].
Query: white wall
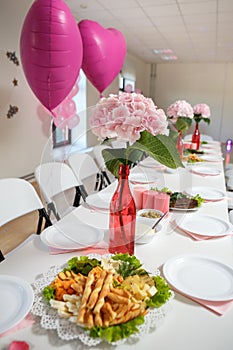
[(196, 83), (23, 137)]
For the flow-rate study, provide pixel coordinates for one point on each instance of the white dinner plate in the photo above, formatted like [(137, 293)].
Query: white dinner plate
[(150, 163), (205, 225), (211, 158), (207, 193), (99, 200), (204, 170), (200, 277), (83, 235), (56, 238), (16, 299), (141, 178)]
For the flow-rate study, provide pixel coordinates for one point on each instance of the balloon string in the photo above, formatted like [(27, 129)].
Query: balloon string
[(101, 95), (53, 114)]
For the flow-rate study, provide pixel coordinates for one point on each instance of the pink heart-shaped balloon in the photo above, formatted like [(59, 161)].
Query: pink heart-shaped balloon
[(104, 52), (51, 51)]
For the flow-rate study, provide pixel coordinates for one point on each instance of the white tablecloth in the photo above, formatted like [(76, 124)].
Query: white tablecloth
[(188, 325)]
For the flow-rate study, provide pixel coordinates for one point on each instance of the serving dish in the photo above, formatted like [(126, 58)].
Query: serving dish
[(67, 330)]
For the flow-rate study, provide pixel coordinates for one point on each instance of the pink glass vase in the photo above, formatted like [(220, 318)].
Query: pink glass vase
[(122, 221), (196, 137), (179, 144)]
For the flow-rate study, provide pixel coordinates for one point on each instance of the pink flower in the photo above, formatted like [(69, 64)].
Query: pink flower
[(178, 109), (202, 109), (126, 115)]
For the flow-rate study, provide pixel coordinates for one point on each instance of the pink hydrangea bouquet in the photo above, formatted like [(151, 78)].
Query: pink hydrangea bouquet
[(201, 112), (181, 114), (135, 119)]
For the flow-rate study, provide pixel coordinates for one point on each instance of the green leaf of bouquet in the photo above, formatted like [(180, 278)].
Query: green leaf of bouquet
[(206, 120), (160, 147), (113, 157), (183, 123)]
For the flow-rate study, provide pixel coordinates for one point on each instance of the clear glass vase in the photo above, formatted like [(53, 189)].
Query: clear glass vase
[(122, 221), (196, 137)]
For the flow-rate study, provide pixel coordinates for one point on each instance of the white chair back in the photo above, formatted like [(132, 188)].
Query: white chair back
[(54, 178), (83, 166), (87, 173), (17, 198)]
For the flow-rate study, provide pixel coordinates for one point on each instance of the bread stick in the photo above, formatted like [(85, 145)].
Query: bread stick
[(95, 293), (104, 291)]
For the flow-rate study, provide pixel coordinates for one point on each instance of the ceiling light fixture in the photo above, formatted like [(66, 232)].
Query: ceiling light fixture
[(169, 58), (162, 51)]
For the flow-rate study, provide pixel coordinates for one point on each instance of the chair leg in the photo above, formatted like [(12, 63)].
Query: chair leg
[(43, 215), (80, 193), (106, 177), (1, 256), (98, 182), (52, 209)]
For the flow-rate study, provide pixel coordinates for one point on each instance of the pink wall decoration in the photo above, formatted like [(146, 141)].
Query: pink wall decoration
[(104, 52), (51, 51)]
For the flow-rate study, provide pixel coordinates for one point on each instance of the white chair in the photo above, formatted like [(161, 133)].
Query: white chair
[(59, 187), (17, 198), (86, 172), (98, 156)]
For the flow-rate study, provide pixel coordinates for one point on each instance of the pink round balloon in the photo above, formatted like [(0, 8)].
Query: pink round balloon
[(104, 52), (51, 51), (73, 121), (60, 121), (74, 90), (68, 108)]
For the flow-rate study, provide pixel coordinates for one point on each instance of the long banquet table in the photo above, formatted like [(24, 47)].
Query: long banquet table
[(188, 325)]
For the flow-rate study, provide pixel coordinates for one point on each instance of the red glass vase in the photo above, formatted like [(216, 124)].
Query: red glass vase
[(122, 221), (196, 137), (179, 144)]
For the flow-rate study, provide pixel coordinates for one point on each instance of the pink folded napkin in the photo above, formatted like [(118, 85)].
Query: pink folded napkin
[(100, 248), (26, 322), (218, 307), (18, 345)]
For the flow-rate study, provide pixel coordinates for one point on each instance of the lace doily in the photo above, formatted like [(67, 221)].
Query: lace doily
[(70, 331)]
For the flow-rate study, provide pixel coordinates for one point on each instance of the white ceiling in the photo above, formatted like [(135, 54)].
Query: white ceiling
[(195, 30)]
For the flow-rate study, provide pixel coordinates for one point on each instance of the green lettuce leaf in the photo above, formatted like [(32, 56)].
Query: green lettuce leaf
[(163, 293), (115, 333), (82, 264), (48, 293), (130, 265)]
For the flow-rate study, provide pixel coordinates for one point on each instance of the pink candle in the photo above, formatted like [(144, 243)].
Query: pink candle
[(137, 195), (161, 201), (148, 199)]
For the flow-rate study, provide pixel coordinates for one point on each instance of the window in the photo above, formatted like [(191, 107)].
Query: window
[(61, 137)]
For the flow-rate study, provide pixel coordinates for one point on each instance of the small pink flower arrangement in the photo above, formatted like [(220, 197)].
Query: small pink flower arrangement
[(125, 116), (201, 112), (133, 118), (181, 114)]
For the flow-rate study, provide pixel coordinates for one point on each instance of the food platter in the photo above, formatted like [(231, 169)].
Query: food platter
[(68, 330)]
